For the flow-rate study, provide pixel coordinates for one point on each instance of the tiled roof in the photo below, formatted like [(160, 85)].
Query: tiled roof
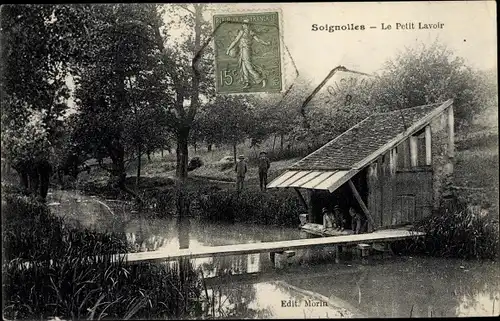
[(365, 138)]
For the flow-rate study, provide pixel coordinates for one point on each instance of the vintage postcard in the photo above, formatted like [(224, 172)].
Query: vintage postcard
[(249, 160)]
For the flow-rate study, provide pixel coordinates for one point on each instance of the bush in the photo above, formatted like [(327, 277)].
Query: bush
[(160, 199), (226, 166), (458, 231), (280, 208), (194, 163)]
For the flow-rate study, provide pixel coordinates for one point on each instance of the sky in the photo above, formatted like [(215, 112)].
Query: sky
[(469, 29)]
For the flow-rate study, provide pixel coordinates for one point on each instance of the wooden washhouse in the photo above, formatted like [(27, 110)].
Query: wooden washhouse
[(391, 166)]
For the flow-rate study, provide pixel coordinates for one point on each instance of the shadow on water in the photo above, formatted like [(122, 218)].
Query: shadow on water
[(309, 284)]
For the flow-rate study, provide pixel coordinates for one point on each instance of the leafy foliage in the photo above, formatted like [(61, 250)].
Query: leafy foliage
[(228, 120), (459, 231), (429, 74), (276, 208), (37, 52)]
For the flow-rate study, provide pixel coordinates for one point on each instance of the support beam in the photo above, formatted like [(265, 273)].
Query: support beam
[(362, 204), (395, 158), (451, 132), (428, 145), (392, 164), (302, 200), (413, 151), (311, 197)]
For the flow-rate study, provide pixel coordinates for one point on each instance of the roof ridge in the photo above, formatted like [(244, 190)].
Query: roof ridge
[(427, 109), (437, 104)]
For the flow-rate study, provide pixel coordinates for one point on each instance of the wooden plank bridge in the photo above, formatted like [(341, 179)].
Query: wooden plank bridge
[(381, 236)]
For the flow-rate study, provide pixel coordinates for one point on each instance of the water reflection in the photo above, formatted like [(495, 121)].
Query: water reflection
[(248, 286), (418, 287)]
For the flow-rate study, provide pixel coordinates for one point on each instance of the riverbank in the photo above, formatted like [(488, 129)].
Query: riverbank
[(474, 284), (68, 289)]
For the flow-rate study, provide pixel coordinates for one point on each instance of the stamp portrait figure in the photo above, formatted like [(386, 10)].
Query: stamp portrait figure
[(247, 52), (243, 41)]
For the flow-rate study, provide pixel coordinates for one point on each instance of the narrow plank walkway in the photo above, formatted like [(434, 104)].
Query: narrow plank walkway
[(251, 248)]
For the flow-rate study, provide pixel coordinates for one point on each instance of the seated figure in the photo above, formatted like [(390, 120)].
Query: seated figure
[(358, 221), (328, 219), (339, 217)]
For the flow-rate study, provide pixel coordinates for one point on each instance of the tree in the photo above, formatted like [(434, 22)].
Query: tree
[(37, 52), (230, 121), (278, 115), (120, 85), (427, 74), (189, 66), (146, 123)]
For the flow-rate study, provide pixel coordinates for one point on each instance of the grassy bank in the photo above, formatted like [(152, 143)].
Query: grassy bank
[(31, 232), (68, 288), (476, 180), (281, 208), (457, 230)]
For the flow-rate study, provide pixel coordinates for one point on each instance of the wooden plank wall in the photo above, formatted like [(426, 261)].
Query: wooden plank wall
[(396, 197), (387, 178), (412, 199), (374, 193)]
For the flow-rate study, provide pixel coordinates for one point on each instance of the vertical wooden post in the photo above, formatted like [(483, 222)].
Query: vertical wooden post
[(310, 208), (395, 156), (413, 151), (428, 145), (451, 132), (391, 161), (404, 146)]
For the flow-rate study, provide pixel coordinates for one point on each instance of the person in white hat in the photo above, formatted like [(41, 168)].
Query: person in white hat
[(241, 170)]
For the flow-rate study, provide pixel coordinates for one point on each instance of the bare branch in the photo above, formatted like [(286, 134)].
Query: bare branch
[(183, 6)]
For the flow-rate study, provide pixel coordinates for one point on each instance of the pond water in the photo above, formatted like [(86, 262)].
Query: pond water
[(311, 285)]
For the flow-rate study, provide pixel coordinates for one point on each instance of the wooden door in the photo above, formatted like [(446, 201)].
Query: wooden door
[(412, 196)]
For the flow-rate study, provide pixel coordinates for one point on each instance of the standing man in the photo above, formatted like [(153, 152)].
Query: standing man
[(241, 170), (264, 165)]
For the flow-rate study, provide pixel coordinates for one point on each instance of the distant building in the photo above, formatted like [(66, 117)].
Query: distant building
[(390, 166)]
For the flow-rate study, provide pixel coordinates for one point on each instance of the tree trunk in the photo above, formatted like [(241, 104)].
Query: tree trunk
[(44, 172), (138, 177), (149, 156), (182, 153), (34, 181), (274, 142), (194, 145), (234, 152), (209, 147), (281, 142), (24, 179), (117, 153), (162, 153)]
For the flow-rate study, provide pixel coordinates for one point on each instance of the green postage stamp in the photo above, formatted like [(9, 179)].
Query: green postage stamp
[(247, 53)]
